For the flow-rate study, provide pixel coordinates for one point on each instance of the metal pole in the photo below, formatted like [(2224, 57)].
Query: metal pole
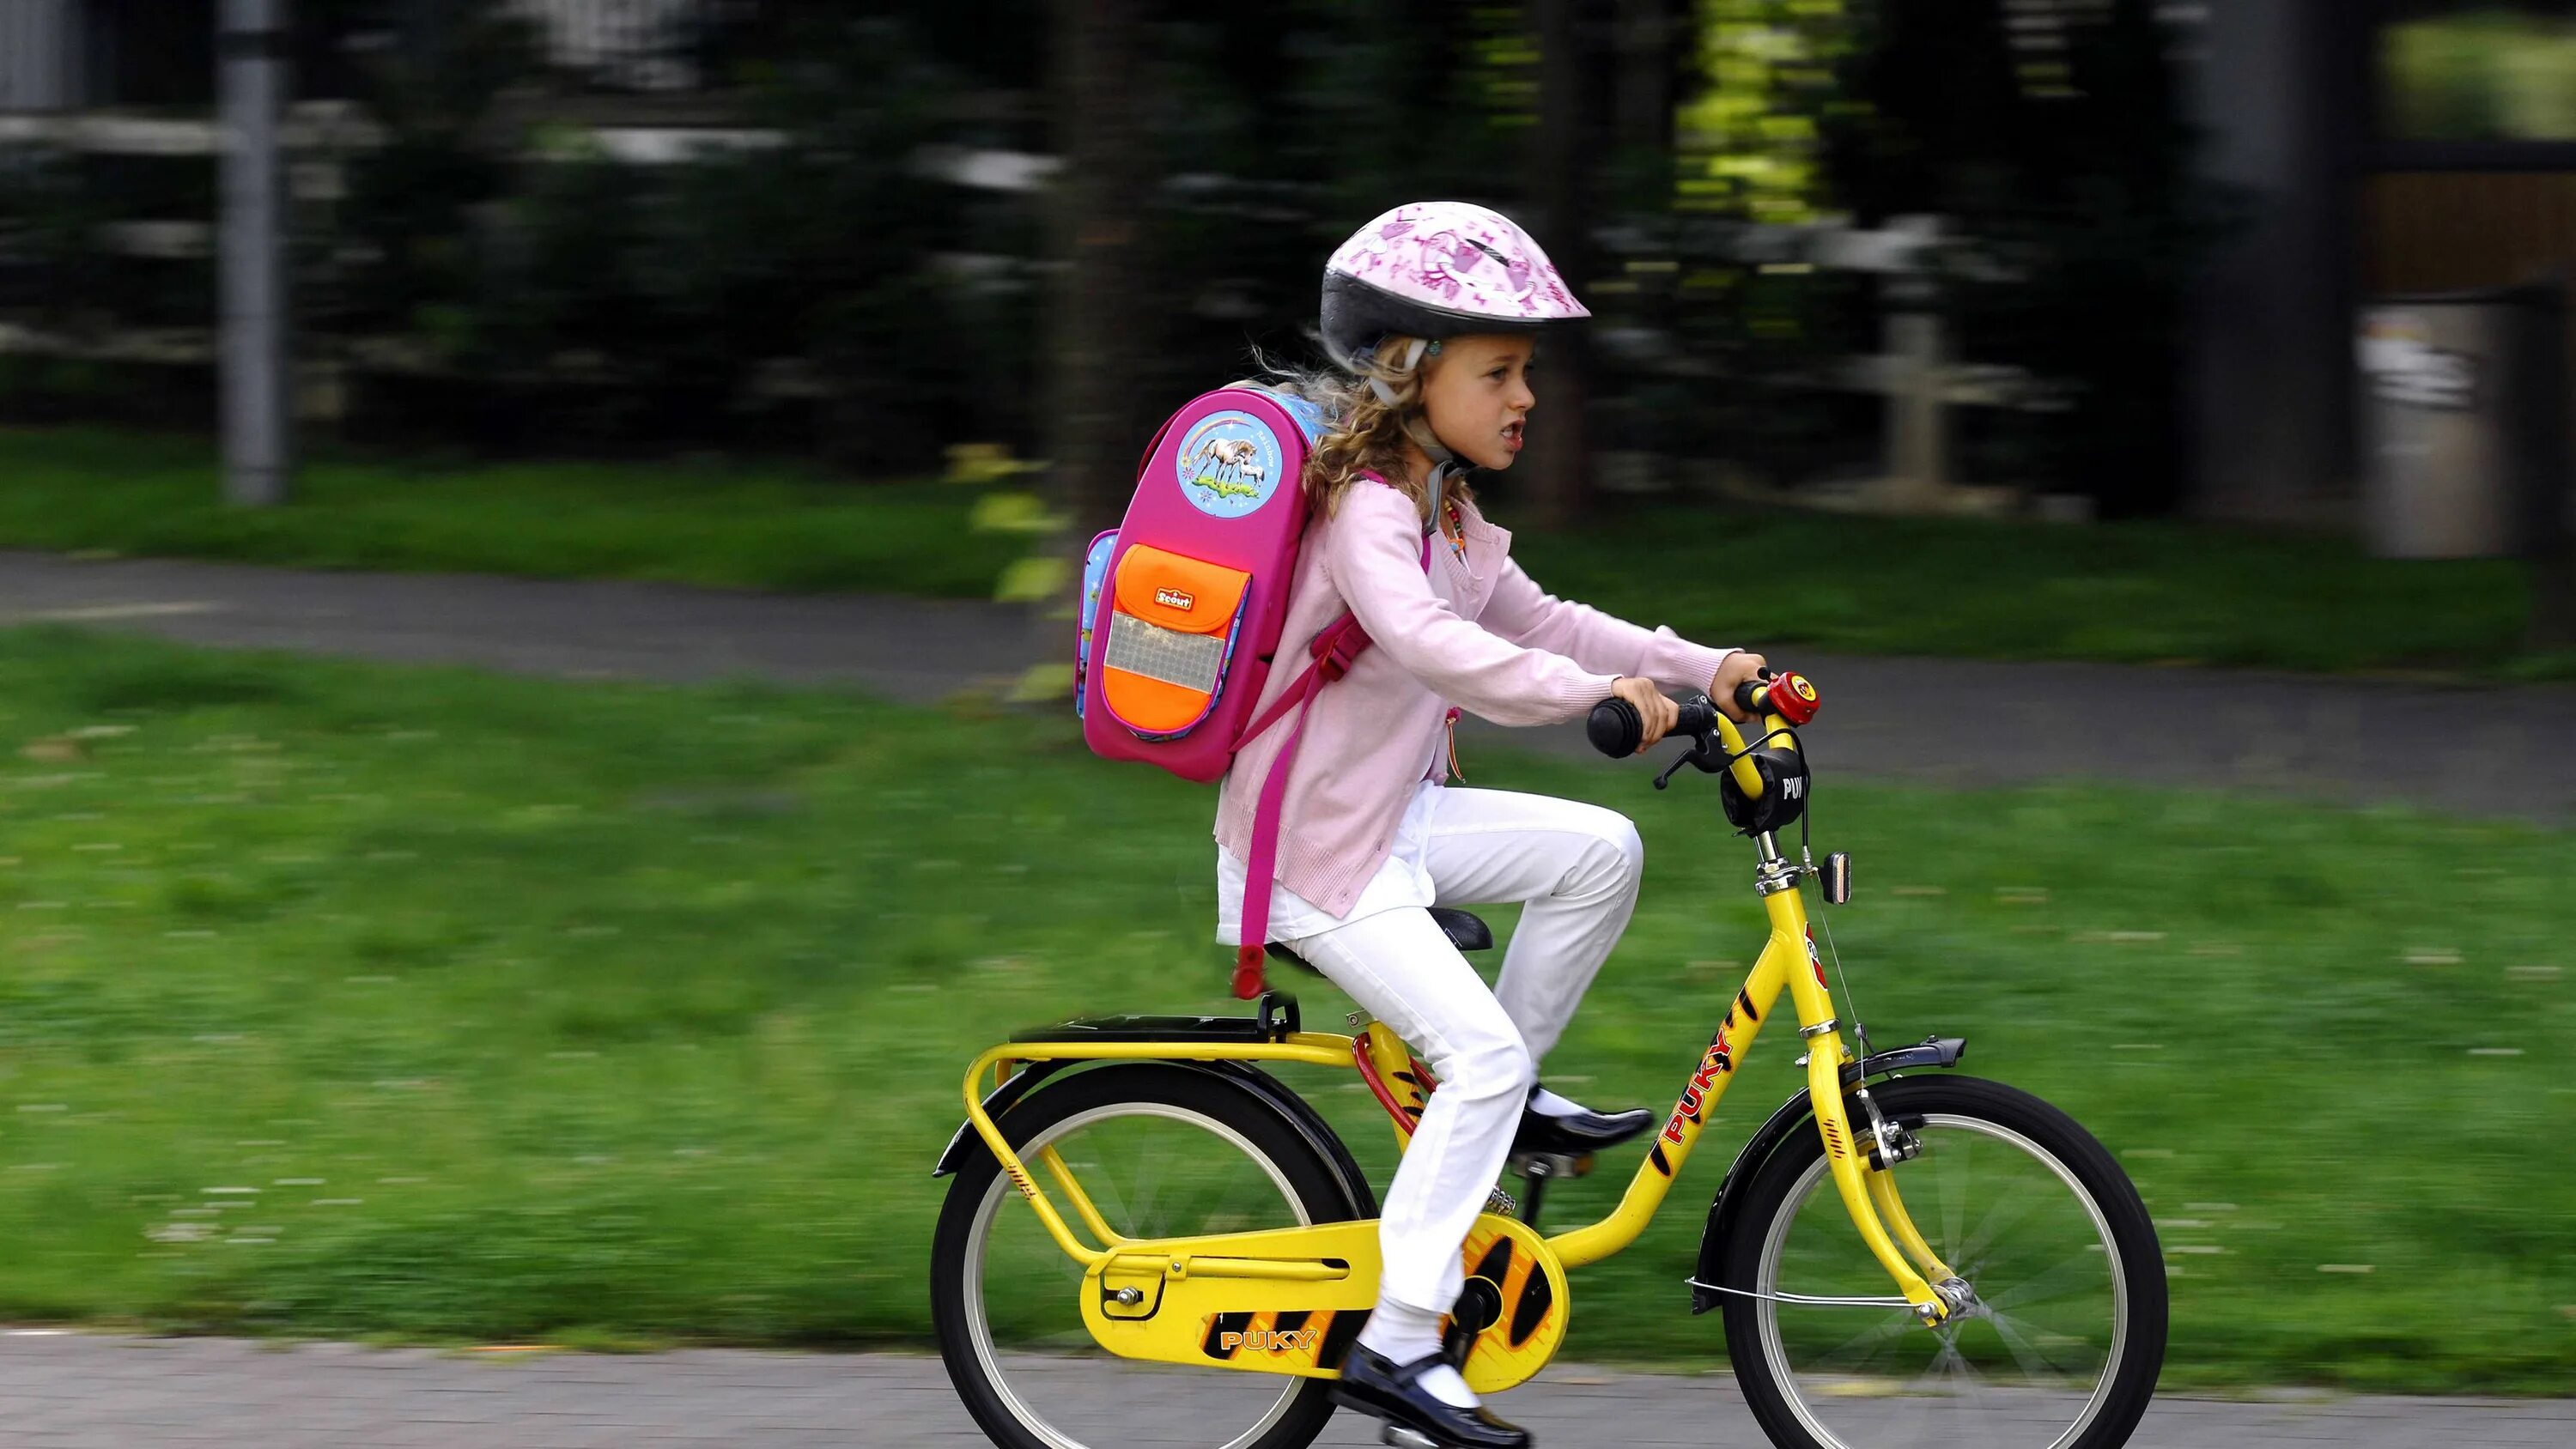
[(250, 49)]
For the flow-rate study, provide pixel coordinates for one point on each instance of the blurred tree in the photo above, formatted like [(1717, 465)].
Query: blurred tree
[(433, 83), (1641, 93), (1712, 366), (1748, 143), (2056, 143), (1102, 322), (1273, 132), (870, 288), (2553, 611), (1560, 455)]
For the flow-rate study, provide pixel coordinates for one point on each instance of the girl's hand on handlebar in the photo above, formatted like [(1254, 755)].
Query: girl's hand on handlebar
[(1658, 713), (1741, 667)]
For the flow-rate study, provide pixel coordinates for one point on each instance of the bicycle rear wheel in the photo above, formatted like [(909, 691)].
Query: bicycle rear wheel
[(2060, 1349), (1162, 1150)]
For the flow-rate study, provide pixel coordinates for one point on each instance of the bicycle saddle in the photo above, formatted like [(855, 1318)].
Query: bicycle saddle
[(1466, 930)]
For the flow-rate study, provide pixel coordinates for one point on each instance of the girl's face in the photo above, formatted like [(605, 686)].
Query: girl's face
[(1476, 395)]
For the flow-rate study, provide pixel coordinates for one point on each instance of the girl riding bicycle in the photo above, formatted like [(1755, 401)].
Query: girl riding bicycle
[(1430, 314)]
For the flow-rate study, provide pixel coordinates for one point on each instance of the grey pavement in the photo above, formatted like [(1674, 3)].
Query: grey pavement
[(1937, 721), (70, 1391), (909, 648)]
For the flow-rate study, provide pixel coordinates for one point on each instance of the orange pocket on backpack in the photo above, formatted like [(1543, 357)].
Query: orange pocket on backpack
[(1171, 632)]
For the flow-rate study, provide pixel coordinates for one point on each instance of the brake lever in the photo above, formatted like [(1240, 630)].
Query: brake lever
[(1684, 758), (1701, 753)]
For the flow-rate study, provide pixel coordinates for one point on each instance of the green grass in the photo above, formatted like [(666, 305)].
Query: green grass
[(2133, 592), (2124, 592), (351, 1001), (691, 522)]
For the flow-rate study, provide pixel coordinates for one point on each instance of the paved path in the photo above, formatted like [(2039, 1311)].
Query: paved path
[(1958, 722), (82, 1392)]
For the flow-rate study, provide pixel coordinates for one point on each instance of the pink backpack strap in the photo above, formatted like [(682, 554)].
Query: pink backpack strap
[(1333, 649)]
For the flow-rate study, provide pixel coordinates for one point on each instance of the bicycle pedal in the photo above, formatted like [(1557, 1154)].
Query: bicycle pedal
[(1404, 1438), (1550, 1165)]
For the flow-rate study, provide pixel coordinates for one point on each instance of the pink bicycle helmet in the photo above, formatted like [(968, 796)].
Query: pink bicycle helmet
[(1435, 269)]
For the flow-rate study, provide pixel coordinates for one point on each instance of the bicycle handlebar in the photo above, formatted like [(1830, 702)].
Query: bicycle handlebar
[(1784, 700), (1616, 729)]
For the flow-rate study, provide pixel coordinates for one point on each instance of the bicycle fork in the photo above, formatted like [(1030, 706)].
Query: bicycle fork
[(1864, 1171)]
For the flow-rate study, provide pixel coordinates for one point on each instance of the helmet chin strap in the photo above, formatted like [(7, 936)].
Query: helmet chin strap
[(1444, 460), (1418, 428), (1412, 359), (1445, 465)]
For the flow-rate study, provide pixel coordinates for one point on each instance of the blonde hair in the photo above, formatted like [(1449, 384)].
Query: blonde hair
[(1365, 432)]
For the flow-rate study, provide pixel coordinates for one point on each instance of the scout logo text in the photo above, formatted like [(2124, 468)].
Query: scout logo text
[(1175, 599)]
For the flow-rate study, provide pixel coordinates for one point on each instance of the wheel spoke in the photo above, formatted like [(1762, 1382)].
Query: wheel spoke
[(2010, 1209), (1950, 1179), (1153, 1170), (2025, 1351), (1969, 1400), (2075, 1271), (1895, 1327), (2022, 1229)]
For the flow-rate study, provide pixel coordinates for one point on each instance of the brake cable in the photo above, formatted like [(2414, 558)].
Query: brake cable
[(1860, 1031), (1698, 755), (1806, 850)]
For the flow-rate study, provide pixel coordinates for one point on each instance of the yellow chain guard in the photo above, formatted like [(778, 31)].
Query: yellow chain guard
[(1193, 1306)]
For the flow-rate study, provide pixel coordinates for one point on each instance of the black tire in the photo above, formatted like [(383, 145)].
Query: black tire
[(2057, 1198), (994, 1378)]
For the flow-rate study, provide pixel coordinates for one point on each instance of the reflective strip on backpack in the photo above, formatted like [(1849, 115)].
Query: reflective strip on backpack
[(1191, 661)]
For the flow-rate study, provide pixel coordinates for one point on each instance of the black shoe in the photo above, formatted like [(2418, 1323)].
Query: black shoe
[(1375, 1384), (1576, 1135)]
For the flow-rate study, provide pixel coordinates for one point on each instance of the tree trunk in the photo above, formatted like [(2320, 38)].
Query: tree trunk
[(2553, 600), (1644, 102), (1096, 333), (1096, 321), (1559, 458), (2550, 360)]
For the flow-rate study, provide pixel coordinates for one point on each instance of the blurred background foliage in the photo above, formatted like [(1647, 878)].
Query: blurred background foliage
[(863, 281), (2497, 73)]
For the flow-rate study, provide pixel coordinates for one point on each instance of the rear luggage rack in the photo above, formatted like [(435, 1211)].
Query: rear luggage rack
[(1275, 1020)]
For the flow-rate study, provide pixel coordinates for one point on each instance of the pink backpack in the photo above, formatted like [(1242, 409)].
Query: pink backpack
[(1182, 607)]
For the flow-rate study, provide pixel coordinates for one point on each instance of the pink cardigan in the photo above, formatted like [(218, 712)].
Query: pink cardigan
[(1478, 632)]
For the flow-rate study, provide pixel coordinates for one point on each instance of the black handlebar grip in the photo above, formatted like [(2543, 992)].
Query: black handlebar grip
[(1699, 716), (1752, 695), (1616, 729)]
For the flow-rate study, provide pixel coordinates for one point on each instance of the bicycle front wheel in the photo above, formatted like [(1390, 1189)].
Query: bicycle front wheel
[(2060, 1348), (1160, 1150)]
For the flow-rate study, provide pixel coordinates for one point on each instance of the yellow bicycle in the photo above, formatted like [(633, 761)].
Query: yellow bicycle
[(1217, 1222)]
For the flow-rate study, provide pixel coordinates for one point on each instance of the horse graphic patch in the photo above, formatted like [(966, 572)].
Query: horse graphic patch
[(1228, 465)]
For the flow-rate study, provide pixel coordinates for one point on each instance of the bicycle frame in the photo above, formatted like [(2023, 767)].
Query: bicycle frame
[(1788, 960)]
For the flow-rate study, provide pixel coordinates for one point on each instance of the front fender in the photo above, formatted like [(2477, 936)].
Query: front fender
[(1724, 1208)]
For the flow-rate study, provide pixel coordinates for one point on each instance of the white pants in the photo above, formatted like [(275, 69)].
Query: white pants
[(1576, 865)]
